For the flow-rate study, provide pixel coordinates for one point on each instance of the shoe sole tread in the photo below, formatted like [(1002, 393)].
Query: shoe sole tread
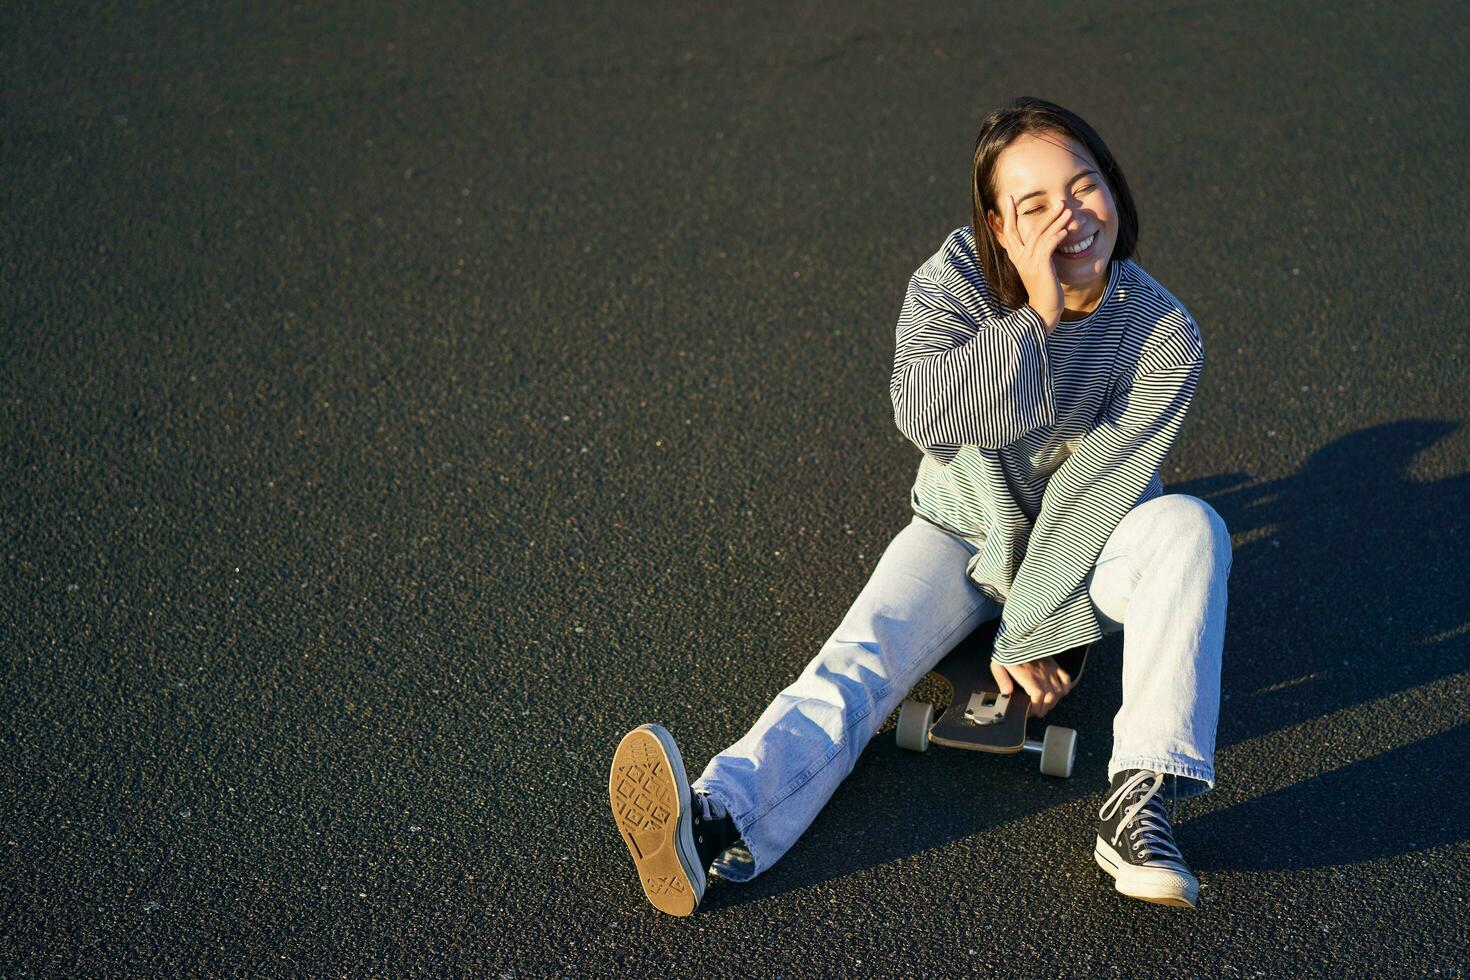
[(647, 787)]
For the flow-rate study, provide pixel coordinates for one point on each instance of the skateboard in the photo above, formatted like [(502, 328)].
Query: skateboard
[(981, 719)]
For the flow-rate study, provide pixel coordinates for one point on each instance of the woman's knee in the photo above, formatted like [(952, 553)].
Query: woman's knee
[(1195, 525)]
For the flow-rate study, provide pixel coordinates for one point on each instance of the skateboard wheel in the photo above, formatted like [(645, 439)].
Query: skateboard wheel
[(915, 719), (1058, 751)]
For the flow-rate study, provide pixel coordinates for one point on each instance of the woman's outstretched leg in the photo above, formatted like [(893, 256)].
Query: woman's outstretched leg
[(768, 787), (917, 605)]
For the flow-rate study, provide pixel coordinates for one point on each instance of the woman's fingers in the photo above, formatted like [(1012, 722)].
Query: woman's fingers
[(1002, 678), (1035, 691), (1057, 228), (1053, 229), (1058, 684), (1044, 681)]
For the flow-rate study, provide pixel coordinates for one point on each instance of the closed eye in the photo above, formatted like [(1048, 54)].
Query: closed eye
[(1081, 190)]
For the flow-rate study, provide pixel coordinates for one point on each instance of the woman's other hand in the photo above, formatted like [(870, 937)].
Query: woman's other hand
[(1033, 259), (1044, 680)]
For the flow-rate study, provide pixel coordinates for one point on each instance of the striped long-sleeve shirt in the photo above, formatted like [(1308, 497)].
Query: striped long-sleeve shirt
[(1036, 446)]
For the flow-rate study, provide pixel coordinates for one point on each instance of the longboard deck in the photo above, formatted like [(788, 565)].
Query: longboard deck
[(967, 669)]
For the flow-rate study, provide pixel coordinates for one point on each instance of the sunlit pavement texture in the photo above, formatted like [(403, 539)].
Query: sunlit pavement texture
[(400, 404)]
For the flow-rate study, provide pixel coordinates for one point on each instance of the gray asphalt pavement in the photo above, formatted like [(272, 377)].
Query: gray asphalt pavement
[(401, 402)]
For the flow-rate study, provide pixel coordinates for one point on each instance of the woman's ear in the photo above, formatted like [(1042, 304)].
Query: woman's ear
[(997, 227)]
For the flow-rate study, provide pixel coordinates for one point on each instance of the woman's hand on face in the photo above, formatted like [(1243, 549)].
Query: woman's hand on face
[(1044, 680), (1034, 259)]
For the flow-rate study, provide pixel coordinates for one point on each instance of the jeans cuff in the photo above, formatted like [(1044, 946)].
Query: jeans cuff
[(1192, 777), (739, 863)]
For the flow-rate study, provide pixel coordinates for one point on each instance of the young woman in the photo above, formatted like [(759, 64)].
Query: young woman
[(1045, 376)]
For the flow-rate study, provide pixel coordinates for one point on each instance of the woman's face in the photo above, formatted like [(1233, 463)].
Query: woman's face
[(1040, 169)]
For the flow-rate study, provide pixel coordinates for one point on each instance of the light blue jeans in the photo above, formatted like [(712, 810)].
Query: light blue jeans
[(1162, 575)]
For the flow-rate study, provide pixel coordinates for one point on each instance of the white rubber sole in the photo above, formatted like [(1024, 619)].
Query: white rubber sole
[(1158, 885), (648, 790)]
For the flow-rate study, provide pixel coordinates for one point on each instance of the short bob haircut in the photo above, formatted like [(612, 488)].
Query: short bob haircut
[(1001, 127)]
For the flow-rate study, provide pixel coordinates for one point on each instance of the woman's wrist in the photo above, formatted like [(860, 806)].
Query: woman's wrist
[(1049, 323)]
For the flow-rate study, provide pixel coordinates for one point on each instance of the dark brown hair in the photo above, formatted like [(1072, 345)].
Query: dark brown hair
[(1000, 129)]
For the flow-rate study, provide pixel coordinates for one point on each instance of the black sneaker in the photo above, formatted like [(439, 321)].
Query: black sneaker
[(673, 834), (1135, 843)]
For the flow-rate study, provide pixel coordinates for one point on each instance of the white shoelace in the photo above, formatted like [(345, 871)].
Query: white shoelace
[(1150, 828)]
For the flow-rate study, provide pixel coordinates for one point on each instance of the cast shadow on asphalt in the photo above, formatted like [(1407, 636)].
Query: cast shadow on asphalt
[(1347, 589)]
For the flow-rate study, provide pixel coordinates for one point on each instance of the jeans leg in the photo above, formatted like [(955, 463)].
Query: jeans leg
[(1162, 575), (916, 607)]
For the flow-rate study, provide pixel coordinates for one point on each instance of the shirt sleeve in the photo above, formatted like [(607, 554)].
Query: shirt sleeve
[(1048, 609), (955, 382)]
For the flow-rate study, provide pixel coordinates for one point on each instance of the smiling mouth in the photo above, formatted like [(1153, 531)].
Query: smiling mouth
[(1078, 249)]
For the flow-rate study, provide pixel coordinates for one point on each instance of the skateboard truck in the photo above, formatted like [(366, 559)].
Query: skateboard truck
[(1043, 747)]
